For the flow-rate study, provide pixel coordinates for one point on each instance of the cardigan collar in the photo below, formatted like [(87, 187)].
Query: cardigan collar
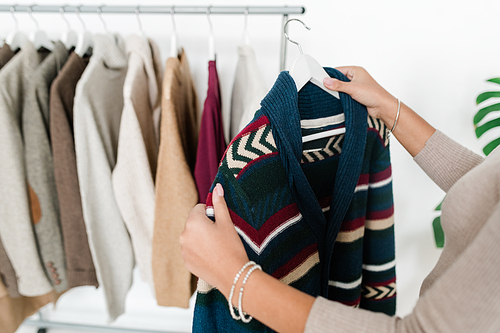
[(281, 106)]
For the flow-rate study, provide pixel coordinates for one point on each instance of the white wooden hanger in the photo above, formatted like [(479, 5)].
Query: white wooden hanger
[(39, 38), (306, 69), (85, 40), (69, 37), (174, 48), (211, 40), (16, 38), (137, 12)]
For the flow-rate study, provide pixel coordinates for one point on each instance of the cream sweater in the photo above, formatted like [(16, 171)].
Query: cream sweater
[(462, 293), (133, 176), (97, 114)]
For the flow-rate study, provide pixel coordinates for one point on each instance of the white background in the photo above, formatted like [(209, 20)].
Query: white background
[(434, 55)]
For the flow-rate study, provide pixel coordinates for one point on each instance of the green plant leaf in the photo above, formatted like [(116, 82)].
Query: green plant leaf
[(494, 80), (487, 95), (438, 232), (480, 130), (484, 111), (490, 146)]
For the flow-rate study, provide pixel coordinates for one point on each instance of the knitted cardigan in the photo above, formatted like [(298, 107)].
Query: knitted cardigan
[(275, 189)]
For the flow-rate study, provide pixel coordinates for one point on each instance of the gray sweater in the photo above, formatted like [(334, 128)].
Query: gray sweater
[(16, 228), (40, 167), (462, 293), (97, 114)]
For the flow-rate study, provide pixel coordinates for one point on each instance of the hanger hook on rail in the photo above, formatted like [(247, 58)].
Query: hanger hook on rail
[(99, 13), (137, 12), (172, 12), (210, 20), (16, 22), (62, 11), (287, 37), (77, 12), (30, 12)]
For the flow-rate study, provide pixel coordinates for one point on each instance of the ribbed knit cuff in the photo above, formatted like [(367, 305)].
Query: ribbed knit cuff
[(445, 161), (78, 278)]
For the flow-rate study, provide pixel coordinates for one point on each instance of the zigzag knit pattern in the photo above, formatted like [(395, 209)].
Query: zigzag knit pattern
[(276, 237)]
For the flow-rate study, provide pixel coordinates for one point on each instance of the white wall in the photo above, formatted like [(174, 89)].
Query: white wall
[(434, 55)]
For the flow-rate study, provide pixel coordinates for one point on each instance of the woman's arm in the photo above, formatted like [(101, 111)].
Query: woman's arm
[(412, 131)]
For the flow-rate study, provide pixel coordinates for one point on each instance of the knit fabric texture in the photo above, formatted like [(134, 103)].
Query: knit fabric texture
[(80, 270), (288, 199), (176, 191), (211, 144), (16, 227), (7, 273), (470, 257), (97, 116), (40, 167), (137, 156)]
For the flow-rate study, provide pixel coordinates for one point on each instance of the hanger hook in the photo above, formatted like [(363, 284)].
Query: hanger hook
[(286, 35), (16, 22), (77, 12), (137, 12), (30, 12), (99, 13), (246, 19), (172, 12), (209, 19), (61, 10)]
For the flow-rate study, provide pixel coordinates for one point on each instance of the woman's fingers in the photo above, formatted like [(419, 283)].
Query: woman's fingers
[(222, 216)]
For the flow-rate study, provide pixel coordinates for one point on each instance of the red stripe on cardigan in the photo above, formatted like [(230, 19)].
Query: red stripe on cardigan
[(296, 261), (378, 284), (380, 215), (257, 160), (382, 175)]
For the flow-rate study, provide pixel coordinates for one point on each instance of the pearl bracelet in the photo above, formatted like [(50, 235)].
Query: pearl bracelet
[(240, 299), (236, 278), (397, 117)]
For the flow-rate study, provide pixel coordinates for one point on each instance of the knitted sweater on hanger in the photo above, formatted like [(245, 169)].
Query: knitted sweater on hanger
[(279, 232)]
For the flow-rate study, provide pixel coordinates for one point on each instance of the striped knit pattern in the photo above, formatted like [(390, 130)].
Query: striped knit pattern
[(275, 236)]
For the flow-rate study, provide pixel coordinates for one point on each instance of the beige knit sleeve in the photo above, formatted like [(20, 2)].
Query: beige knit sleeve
[(446, 161), (464, 299)]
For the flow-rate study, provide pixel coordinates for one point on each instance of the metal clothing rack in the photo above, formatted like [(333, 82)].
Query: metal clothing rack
[(41, 323), (212, 10)]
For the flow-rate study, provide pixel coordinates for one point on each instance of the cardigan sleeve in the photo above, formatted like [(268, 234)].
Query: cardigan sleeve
[(464, 299), (446, 161)]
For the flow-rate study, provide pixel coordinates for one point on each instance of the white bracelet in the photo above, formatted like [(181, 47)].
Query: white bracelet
[(240, 299), (236, 278), (397, 117)]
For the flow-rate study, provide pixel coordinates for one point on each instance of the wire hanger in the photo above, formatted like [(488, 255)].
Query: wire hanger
[(174, 51), (39, 38), (16, 38), (85, 39), (305, 68), (211, 40), (69, 37), (246, 37), (137, 12)]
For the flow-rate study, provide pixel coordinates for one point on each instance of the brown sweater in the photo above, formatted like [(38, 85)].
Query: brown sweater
[(7, 273), (462, 293), (176, 192), (79, 264)]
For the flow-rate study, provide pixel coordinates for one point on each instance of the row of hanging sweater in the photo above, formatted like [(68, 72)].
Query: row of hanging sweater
[(103, 159), (85, 142)]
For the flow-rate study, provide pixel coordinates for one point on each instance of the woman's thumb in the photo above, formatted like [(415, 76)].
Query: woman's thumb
[(337, 85), (220, 207)]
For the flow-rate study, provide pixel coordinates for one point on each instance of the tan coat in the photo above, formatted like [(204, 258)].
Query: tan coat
[(176, 192)]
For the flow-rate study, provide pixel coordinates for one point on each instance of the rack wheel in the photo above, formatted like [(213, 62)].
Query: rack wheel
[(42, 330)]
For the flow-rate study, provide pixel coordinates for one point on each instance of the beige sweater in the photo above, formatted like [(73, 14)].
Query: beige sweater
[(133, 176), (462, 293), (176, 192)]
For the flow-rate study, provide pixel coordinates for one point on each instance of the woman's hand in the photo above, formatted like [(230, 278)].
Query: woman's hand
[(364, 89), (213, 251)]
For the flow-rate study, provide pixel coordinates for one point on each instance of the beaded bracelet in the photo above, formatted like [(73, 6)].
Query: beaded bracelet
[(240, 299), (236, 278), (397, 117)]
